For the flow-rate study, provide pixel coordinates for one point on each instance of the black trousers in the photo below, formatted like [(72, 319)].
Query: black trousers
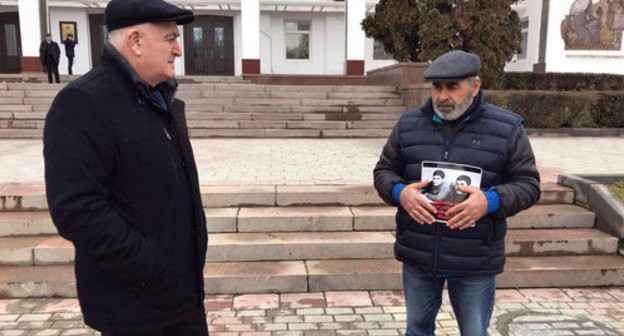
[(70, 63), (53, 68), (193, 325)]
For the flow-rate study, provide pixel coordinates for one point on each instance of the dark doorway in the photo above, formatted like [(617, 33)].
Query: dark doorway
[(98, 32), (10, 43), (209, 46)]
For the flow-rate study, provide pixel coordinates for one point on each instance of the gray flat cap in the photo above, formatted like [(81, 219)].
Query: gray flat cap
[(454, 65)]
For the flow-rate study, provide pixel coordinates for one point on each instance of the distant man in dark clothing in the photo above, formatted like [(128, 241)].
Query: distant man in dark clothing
[(50, 54), (122, 184), (69, 52)]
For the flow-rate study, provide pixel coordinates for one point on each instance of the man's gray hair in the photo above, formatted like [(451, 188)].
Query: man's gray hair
[(472, 80), (116, 37)]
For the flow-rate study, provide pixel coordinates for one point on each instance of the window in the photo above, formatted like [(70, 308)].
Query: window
[(524, 26), (379, 53), (10, 37), (297, 40)]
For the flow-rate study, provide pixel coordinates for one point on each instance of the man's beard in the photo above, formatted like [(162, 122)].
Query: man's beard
[(458, 110)]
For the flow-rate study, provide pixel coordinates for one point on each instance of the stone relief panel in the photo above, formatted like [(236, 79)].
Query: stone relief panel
[(594, 25)]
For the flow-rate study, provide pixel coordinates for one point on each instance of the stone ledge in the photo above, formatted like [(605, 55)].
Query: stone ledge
[(594, 195)]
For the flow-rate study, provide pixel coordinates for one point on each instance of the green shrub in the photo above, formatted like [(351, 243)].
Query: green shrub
[(557, 109), (562, 81)]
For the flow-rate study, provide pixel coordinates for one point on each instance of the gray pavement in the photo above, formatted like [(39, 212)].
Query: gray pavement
[(523, 312), (318, 161)]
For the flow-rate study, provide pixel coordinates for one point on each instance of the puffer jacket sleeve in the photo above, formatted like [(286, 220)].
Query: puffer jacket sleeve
[(387, 172), (522, 187)]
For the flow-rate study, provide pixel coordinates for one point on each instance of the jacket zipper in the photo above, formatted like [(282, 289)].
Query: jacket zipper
[(445, 157), (436, 252)]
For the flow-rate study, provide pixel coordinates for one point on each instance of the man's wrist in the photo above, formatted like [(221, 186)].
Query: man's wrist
[(493, 200), (396, 192)]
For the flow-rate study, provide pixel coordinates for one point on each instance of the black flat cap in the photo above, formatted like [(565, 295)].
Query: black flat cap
[(126, 13), (454, 65)]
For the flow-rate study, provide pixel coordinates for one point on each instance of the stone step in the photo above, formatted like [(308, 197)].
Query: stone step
[(373, 101), (559, 242), (23, 223), (13, 101), (376, 124), (309, 218), (560, 271), (330, 88), (330, 275), (15, 108), (11, 94), (276, 246), (537, 217), (294, 219), (36, 86), (224, 247), (357, 133), (16, 197), (17, 133), (228, 247), (219, 278)]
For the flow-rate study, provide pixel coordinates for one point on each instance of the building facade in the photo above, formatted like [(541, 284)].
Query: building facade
[(228, 37), (571, 36), (306, 37)]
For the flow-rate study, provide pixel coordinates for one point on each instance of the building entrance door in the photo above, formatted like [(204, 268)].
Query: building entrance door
[(97, 29), (10, 43), (209, 46)]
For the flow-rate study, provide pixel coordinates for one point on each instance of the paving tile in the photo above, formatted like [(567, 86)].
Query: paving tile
[(510, 295), (545, 295), (388, 298), (302, 300), (59, 306), (218, 302), (256, 301), (348, 299)]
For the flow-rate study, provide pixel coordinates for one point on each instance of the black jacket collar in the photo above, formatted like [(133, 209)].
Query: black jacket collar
[(112, 58)]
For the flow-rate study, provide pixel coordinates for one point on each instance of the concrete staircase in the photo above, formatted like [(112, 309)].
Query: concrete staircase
[(237, 109), (290, 238)]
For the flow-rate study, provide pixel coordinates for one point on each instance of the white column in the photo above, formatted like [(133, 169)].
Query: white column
[(356, 38), (250, 24), (30, 26)]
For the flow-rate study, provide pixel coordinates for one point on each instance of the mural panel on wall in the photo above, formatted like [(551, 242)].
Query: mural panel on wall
[(594, 25)]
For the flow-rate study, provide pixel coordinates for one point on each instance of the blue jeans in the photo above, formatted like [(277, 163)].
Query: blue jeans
[(472, 298)]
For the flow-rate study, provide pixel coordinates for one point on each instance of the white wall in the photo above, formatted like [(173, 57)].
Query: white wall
[(266, 41), (335, 53), (238, 44), (82, 60), (560, 60), (327, 46), (371, 63), (531, 9), (178, 64)]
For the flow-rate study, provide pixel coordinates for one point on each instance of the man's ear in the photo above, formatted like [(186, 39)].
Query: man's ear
[(134, 40), (476, 87)]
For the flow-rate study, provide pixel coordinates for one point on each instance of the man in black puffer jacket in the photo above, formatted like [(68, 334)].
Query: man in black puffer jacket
[(455, 126), (122, 183)]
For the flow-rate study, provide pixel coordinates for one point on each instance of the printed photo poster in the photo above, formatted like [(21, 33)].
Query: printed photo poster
[(444, 179)]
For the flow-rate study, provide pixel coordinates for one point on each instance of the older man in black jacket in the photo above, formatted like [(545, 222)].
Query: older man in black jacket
[(455, 126), (122, 183)]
